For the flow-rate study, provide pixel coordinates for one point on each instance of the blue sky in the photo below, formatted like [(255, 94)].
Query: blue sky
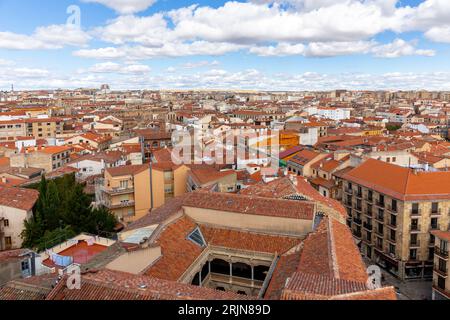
[(255, 44)]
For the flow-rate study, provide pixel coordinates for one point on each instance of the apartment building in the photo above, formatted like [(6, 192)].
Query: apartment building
[(392, 210), (44, 127), (441, 281), (128, 193), (12, 129), (47, 158)]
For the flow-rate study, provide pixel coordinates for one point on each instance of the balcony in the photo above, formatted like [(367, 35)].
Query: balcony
[(442, 253), (440, 271), (380, 218), (358, 208), (357, 220), (357, 234), (120, 205), (118, 191), (380, 204), (392, 225), (392, 209), (415, 229), (414, 244), (368, 226), (416, 213), (379, 232), (368, 213), (349, 191), (369, 199), (436, 213), (359, 195)]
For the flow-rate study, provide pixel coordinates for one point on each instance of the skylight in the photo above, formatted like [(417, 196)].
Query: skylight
[(196, 236)]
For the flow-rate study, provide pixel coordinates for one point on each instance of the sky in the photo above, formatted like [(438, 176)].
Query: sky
[(249, 44)]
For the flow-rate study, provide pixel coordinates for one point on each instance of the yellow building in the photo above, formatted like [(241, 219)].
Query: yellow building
[(128, 193)]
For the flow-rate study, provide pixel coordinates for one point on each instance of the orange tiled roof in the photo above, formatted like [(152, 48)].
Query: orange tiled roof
[(401, 183), (19, 198), (250, 205), (245, 240), (178, 253), (115, 285)]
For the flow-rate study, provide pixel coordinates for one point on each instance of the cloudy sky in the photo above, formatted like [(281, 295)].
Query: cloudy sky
[(254, 44)]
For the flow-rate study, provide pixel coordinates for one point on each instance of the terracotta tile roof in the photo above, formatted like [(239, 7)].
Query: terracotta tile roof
[(290, 152), (305, 286), (4, 161), (250, 241), (278, 188), (127, 170), (115, 285), (444, 235), (12, 255), (10, 292), (19, 198), (251, 205), (401, 183), (207, 175), (286, 266), (178, 253), (304, 156), (387, 293), (160, 214)]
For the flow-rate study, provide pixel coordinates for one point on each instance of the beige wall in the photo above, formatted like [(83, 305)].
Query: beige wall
[(264, 224), (16, 218), (180, 180), (136, 261)]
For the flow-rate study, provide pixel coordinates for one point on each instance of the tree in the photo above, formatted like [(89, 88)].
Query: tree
[(62, 211)]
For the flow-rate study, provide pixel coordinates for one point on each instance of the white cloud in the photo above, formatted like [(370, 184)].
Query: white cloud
[(439, 34), (111, 67), (200, 64), (125, 6), (49, 37), (399, 48)]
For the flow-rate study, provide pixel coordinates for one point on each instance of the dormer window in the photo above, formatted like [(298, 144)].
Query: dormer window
[(196, 236)]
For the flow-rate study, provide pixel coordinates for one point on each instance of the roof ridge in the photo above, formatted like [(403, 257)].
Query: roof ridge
[(332, 250)]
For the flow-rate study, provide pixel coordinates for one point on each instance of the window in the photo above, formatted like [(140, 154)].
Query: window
[(434, 207), (415, 208), (441, 282), (388, 160), (370, 195), (392, 249), (393, 220), (394, 205), (197, 237), (8, 241), (442, 265), (413, 254), (430, 253), (394, 159), (415, 224), (393, 235), (434, 223), (25, 265), (6, 223), (414, 238)]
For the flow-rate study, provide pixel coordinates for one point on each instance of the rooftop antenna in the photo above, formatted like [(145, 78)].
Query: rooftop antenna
[(12, 88)]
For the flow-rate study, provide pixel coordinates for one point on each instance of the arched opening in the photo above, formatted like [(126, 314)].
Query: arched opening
[(220, 266), (242, 270), (242, 293), (260, 273), (205, 271), (220, 288), (196, 280)]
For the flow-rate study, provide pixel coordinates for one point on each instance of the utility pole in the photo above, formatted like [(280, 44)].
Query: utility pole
[(151, 170)]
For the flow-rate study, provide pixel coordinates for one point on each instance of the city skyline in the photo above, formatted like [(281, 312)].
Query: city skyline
[(256, 45)]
